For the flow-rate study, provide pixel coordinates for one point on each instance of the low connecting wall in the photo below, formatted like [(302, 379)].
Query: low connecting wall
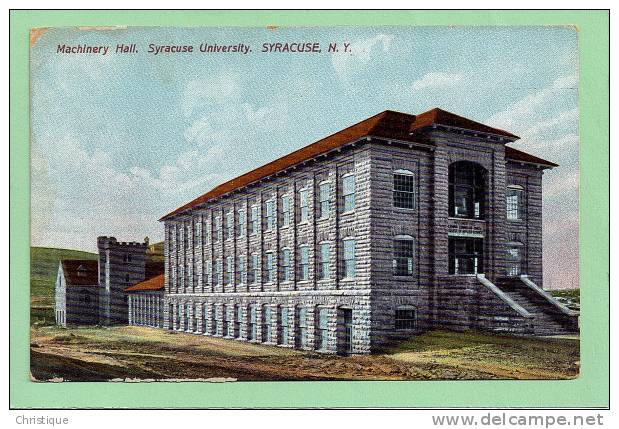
[(466, 303)]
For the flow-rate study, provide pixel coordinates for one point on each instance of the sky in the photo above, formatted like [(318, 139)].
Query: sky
[(117, 141)]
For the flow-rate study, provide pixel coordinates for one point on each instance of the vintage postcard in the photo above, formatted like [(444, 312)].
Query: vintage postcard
[(304, 203)]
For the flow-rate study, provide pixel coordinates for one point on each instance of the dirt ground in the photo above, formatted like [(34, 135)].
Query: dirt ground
[(136, 353)]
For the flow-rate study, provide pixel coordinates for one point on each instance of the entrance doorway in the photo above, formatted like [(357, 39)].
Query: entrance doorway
[(344, 331)]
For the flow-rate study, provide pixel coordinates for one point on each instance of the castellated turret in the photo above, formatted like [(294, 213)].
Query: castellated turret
[(121, 264)]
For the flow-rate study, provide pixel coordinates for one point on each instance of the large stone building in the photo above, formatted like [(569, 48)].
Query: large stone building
[(394, 225), (391, 226), (93, 292)]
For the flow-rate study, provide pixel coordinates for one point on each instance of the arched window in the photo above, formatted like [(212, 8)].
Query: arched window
[(403, 255), (514, 199), (405, 317), (467, 190), (404, 189), (514, 258)]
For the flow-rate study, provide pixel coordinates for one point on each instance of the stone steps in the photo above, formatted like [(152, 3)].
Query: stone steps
[(545, 322)]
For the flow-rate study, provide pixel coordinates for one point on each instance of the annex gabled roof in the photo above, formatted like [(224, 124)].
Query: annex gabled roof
[(387, 124), (81, 272), (152, 284)]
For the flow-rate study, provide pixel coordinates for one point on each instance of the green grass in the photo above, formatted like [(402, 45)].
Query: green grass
[(43, 271), (567, 293)]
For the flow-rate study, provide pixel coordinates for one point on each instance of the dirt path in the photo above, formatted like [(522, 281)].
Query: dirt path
[(101, 354)]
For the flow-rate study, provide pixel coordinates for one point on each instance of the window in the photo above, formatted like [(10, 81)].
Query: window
[(224, 321), (209, 273), (126, 278), (242, 223), (270, 209), (229, 226), (405, 318), (243, 269), (254, 268), (514, 199), (253, 327), (286, 210), (301, 324), (348, 192), (283, 324), (321, 318), (514, 259), (218, 272), (404, 189), (230, 325), (403, 254), (204, 318), (324, 194), (254, 220), (466, 190), (267, 336), (270, 268), (230, 270), (349, 259), (303, 263), (323, 264), (286, 265), (217, 228), (304, 204), (237, 321), (465, 256)]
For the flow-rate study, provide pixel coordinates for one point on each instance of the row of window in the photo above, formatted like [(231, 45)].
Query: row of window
[(250, 274), (404, 196), (231, 317), (248, 271)]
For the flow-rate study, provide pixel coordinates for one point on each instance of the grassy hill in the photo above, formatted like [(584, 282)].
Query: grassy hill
[(43, 270)]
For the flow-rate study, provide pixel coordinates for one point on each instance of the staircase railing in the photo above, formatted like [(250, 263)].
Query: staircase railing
[(503, 296), (548, 297)]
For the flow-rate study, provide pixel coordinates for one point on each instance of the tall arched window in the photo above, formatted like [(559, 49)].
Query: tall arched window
[(514, 199), (467, 190), (403, 255)]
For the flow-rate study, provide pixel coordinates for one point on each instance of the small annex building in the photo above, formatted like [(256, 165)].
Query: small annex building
[(146, 302), (92, 292), (77, 292)]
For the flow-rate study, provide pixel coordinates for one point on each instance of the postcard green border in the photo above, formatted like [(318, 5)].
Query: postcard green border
[(591, 389)]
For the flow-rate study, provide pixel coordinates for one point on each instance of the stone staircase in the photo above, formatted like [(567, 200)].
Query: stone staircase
[(549, 316)]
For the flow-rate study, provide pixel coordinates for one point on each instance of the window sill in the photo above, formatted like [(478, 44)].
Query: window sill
[(516, 220), (348, 279), (349, 212), (466, 275), (466, 219), (403, 278), (322, 219)]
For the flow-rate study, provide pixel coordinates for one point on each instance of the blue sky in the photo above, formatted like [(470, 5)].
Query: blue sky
[(120, 140)]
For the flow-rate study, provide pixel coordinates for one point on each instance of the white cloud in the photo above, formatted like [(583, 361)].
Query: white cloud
[(525, 109), (563, 120), (218, 89), (437, 80), (362, 51)]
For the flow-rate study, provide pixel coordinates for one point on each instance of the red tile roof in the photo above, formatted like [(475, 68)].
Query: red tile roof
[(155, 283), (387, 124), (81, 272), (517, 155), (438, 116)]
